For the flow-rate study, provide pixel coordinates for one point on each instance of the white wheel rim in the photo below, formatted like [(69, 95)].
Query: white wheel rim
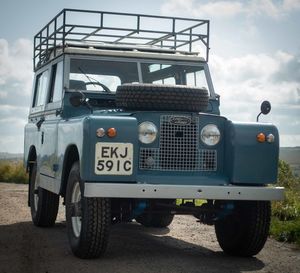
[(76, 220), (35, 195)]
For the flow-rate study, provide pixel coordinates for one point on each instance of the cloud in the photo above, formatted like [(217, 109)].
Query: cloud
[(263, 8), (223, 9), (258, 75), (291, 4), (8, 111), (245, 82), (12, 131), (287, 140), (191, 7), (15, 72), (16, 61), (15, 90), (290, 70)]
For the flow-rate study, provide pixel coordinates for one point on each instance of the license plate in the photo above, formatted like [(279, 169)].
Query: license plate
[(113, 158)]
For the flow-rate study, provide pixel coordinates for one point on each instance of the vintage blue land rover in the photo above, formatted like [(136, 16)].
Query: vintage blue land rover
[(124, 124)]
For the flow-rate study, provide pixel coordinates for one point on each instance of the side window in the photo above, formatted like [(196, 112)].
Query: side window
[(56, 82), (41, 89)]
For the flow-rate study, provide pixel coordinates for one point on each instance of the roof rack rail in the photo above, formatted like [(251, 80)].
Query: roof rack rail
[(99, 27)]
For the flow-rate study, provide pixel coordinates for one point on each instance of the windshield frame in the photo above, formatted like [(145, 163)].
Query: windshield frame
[(138, 61)]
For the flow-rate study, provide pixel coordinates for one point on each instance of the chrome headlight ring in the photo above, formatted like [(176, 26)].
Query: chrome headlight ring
[(147, 132), (210, 135)]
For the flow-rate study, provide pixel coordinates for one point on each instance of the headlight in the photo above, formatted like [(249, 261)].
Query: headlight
[(210, 134), (147, 132)]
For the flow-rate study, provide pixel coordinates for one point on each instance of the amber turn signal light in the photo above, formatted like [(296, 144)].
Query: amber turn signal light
[(261, 137), (111, 132)]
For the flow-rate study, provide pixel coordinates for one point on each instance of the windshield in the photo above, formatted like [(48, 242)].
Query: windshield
[(159, 73), (105, 76)]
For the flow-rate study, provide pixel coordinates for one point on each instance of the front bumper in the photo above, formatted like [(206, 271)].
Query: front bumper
[(113, 190)]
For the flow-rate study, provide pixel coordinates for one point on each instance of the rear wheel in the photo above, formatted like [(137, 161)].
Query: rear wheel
[(158, 220), (155, 218), (43, 204), (245, 231), (88, 219)]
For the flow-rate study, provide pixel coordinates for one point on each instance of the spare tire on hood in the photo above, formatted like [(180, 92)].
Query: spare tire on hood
[(161, 97)]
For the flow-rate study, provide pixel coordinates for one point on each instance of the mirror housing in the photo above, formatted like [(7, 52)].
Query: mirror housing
[(80, 99), (77, 99), (265, 109)]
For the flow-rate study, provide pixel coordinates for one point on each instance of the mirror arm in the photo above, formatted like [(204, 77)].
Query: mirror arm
[(85, 101), (87, 104), (258, 116)]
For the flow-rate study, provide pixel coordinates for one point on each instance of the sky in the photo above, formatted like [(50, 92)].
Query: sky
[(254, 56)]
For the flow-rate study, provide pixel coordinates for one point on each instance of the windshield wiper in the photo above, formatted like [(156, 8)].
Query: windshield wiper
[(94, 81)]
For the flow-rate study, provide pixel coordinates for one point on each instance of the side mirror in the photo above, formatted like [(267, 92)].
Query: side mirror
[(265, 109), (77, 99), (80, 99)]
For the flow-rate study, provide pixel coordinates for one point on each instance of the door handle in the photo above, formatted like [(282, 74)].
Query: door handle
[(42, 138), (39, 123)]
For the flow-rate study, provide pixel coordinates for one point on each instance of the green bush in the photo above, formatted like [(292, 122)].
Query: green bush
[(289, 208), (286, 231), (13, 171), (285, 224), (198, 202), (286, 178)]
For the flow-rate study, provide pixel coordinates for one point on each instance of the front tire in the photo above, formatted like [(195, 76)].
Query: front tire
[(43, 204), (88, 219), (245, 231)]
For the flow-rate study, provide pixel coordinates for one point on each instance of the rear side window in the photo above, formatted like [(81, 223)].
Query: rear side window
[(56, 82), (41, 89)]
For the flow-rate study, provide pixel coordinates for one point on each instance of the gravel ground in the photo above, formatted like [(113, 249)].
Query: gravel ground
[(186, 246)]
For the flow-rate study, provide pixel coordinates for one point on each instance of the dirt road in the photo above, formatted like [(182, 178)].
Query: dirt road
[(186, 247)]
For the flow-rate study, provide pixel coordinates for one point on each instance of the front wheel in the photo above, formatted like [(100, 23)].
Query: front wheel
[(88, 219), (245, 231)]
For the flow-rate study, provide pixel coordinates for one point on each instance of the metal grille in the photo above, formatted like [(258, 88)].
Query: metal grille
[(178, 143), (179, 148), (150, 160), (207, 160)]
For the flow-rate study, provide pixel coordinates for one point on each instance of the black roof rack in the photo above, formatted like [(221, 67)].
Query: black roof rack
[(82, 27)]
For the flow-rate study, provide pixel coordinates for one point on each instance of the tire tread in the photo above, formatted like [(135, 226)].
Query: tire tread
[(96, 218), (161, 97), (253, 219)]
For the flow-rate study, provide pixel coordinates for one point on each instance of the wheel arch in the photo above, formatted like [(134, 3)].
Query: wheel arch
[(71, 156), (31, 159)]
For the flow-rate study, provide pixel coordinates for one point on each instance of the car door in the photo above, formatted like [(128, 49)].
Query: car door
[(49, 158)]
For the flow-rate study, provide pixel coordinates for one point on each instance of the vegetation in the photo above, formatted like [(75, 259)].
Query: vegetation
[(285, 225), (291, 155), (13, 171)]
